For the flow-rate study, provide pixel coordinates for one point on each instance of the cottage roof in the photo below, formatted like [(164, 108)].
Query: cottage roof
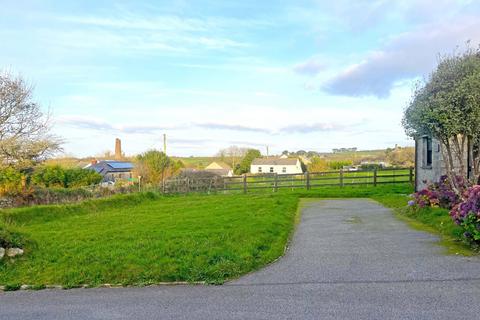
[(105, 166), (218, 165), (274, 161)]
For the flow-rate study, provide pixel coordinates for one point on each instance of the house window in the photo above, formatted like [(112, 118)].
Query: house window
[(427, 147), (284, 169), (271, 169), (259, 169)]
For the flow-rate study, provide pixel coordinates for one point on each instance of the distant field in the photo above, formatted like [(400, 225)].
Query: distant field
[(373, 154), (148, 238)]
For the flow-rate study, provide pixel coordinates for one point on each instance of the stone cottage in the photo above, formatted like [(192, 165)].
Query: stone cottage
[(429, 162)]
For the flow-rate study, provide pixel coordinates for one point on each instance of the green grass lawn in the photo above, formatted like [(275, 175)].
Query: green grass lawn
[(147, 238), (140, 239)]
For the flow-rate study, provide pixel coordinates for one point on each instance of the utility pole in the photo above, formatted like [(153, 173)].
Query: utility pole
[(164, 143), (267, 151)]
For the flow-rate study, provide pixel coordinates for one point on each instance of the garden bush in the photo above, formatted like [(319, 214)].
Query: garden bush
[(56, 176), (439, 194), (467, 214), (11, 181)]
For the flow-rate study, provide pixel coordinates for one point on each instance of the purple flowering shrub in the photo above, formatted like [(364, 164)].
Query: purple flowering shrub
[(444, 192), (424, 198), (467, 214), (439, 194)]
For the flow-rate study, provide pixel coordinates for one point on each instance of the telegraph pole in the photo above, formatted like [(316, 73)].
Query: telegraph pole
[(165, 144), (267, 151)]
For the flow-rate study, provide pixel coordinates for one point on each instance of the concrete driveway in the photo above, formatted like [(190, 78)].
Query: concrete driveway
[(349, 259)]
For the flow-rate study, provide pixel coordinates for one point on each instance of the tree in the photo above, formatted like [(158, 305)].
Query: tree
[(337, 165), (318, 164), (232, 155), (155, 166), (447, 107), (244, 166), (24, 129), (404, 157)]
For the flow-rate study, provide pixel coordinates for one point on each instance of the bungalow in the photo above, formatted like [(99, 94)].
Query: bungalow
[(279, 165), (219, 168), (429, 162), (112, 170)]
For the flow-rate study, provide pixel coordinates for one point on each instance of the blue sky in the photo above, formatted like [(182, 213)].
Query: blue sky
[(312, 75)]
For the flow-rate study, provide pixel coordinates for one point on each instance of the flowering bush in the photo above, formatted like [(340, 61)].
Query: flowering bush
[(444, 192), (439, 194), (467, 214), (424, 198)]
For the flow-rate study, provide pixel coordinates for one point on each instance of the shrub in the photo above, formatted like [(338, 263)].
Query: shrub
[(10, 181), (424, 198), (439, 194), (467, 214), (56, 176), (49, 176), (337, 165), (77, 177), (444, 192)]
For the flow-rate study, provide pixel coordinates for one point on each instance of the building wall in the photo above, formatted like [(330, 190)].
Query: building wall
[(426, 175), (290, 169), (116, 176)]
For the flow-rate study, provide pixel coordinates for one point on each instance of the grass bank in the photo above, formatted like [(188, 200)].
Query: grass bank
[(147, 238)]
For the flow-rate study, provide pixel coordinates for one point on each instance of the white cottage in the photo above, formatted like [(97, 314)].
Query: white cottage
[(279, 165)]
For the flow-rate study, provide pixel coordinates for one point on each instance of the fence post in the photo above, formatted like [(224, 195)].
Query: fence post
[(244, 183), (275, 183), (341, 177), (188, 185), (307, 180), (375, 177), (410, 177)]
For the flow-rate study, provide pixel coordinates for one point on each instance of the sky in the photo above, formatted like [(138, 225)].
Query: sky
[(291, 75)]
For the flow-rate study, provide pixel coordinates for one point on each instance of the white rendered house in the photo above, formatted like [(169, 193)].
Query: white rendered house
[(278, 165)]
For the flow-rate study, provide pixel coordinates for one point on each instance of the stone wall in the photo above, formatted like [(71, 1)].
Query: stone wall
[(425, 175)]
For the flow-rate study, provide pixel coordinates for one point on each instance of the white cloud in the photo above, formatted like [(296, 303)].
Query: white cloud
[(405, 56)]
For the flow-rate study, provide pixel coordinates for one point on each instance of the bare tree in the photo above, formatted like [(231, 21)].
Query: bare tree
[(24, 129), (233, 154)]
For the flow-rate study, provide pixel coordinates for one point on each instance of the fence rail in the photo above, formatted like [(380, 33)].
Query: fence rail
[(308, 180)]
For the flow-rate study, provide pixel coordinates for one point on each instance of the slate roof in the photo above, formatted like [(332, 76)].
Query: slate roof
[(105, 166), (275, 161)]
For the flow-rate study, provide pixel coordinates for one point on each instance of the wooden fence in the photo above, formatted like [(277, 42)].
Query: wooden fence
[(308, 180)]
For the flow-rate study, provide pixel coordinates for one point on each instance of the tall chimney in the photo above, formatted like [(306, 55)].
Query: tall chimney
[(118, 149)]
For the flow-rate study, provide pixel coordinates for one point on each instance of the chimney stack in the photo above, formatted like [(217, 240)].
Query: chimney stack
[(118, 149)]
